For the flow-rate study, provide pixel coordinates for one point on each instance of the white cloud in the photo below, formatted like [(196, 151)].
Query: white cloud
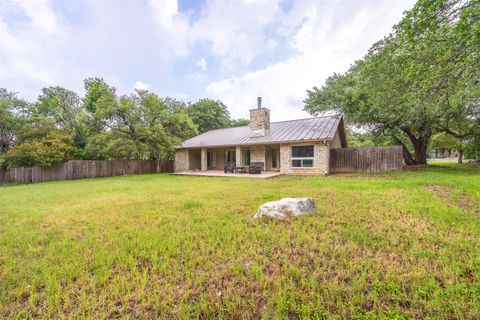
[(41, 14), (173, 26), (328, 40), (235, 30), (42, 47), (25, 61), (165, 11), (202, 64), (140, 85)]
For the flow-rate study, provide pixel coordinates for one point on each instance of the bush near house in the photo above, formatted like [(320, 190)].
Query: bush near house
[(397, 245)]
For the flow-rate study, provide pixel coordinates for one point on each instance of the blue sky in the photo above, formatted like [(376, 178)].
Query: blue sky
[(228, 50)]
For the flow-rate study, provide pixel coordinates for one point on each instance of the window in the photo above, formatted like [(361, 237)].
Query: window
[(302, 156), (211, 159), (230, 156), (246, 157)]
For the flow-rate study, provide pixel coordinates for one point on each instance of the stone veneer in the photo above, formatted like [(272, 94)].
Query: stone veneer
[(238, 156), (181, 160), (257, 154), (321, 159), (260, 122), (203, 159)]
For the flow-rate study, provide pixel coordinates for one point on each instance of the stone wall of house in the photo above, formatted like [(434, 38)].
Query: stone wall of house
[(238, 156), (257, 154), (203, 159), (181, 160), (321, 161), (260, 121)]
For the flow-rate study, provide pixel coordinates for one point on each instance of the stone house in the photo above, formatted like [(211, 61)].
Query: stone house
[(289, 147)]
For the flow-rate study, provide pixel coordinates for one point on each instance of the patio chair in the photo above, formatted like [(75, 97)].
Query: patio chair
[(229, 167), (255, 168)]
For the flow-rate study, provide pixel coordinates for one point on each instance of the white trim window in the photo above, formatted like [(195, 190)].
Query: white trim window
[(302, 156)]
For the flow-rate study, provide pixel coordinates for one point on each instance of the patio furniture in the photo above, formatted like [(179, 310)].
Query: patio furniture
[(255, 168), (229, 167), (239, 169)]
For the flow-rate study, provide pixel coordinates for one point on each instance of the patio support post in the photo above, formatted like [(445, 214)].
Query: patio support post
[(238, 156), (203, 159)]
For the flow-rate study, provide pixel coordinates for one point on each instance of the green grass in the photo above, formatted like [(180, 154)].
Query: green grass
[(400, 245)]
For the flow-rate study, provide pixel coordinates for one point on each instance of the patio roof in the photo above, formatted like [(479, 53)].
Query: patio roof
[(319, 128)]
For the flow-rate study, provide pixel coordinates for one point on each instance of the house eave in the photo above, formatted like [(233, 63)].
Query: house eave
[(254, 144)]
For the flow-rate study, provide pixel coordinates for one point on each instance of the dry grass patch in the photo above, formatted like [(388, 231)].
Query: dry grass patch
[(454, 197)]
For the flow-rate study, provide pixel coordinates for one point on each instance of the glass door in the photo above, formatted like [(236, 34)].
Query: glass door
[(211, 159), (275, 156), (230, 156)]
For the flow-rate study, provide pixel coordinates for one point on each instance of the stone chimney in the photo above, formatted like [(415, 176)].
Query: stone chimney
[(259, 120)]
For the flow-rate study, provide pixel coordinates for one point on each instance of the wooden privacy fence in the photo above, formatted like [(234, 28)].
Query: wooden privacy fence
[(375, 159), (81, 169)]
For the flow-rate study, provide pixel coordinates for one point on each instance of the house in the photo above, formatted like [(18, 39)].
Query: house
[(289, 147)]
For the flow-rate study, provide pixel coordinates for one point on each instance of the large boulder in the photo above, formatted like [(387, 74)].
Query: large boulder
[(286, 208)]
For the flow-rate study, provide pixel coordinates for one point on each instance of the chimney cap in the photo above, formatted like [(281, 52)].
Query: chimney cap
[(259, 102)]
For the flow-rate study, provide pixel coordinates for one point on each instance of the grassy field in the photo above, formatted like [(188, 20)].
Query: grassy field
[(401, 245)]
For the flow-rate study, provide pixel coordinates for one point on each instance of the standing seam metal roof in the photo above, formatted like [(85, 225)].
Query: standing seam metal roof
[(319, 128)]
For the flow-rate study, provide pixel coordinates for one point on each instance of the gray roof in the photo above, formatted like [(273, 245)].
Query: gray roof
[(319, 128)]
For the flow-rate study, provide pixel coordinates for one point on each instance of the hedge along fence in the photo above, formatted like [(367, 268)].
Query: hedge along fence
[(82, 169), (375, 159)]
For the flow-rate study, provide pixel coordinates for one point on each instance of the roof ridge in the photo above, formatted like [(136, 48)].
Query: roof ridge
[(331, 116), (224, 129)]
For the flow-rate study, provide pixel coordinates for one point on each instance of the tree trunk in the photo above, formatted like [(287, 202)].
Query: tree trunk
[(407, 156), (420, 146), (460, 156)]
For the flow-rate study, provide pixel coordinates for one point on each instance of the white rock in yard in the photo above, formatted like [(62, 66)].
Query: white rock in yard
[(286, 208)]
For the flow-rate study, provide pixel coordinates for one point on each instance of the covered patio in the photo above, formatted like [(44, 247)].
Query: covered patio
[(215, 158), (220, 173)]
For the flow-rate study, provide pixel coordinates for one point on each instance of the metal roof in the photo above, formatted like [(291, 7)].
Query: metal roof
[(319, 128)]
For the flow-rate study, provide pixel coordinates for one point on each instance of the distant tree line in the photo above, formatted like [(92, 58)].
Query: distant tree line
[(421, 80), (60, 125)]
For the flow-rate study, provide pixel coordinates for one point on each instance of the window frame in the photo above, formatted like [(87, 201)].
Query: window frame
[(302, 159), (245, 158)]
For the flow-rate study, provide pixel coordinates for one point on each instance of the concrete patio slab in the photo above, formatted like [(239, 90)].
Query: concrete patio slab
[(220, 173)]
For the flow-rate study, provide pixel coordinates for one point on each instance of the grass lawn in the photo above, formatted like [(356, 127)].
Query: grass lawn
[(400, 245)]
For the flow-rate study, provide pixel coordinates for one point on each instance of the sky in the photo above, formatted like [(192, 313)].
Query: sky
[(233, 51)]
